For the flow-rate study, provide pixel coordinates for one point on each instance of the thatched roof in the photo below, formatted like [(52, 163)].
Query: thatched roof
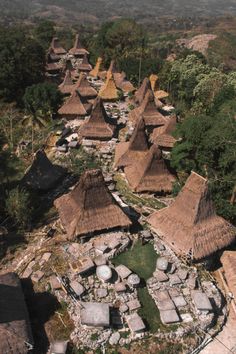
[(141, 92), (84, 88), (190, 225), (162, 136), (153, 80), (149, 111), (228, 260), (15, 330), (150, 173), (95, 71), (109, 91), (53, 67), (42, 174), (160, 94), (85, 66), (73, 107), (67, 86), (69, 66), (122, 83), (98, 125), (127, 152), (90, 207), (78, 49), (56, 47)]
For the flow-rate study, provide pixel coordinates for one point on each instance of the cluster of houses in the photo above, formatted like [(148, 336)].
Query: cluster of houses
[(189, 227)]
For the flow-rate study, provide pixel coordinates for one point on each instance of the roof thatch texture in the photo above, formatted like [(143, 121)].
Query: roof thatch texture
[(67, 86), (122, 83), (73, 107), (15, 329), (53, 67), (141, 92), (127, 152), (153, 80), (69, 66), (90, 207), (228, 259), (109, 91), (162, 136), (95, 71), (42, 174), (150, 173), (78, 49), (149, 111), (56, 47), (84, 88), (160, 94), (98, 125), (190, 225), (85, 66)]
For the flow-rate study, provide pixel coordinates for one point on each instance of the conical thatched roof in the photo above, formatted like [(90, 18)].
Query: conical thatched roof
[(127, 152), (190, 225), (109, 91), (15, 329), (90, 207), (98, 125), (228, 260), (85, 66), (122, 83), (67, 86), (42, 174), (153, 80), (56, 47), (141, 92), (78, 49), (84, 88), (95, 71), (73, 107), (150, 173), (162, 136)]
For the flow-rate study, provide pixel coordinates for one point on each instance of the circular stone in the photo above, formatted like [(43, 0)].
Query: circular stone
[(133, 279), (104, 273), (162, 263)]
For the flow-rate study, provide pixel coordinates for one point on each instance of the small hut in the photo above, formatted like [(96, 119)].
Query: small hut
[(84, 88), (98, 126), (15, 331), (42, 174), (162, 136), (78, 51), (90, 207), (150, 173), (85, 66), (228, 260), (73, 107), (96, 70), (67, 86), (141, 92), (127, 152), (56, 48), (190, 224), (109, 91)]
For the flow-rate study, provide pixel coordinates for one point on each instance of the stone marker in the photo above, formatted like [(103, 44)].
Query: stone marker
[(114, 338), (174, 279), (162, 263), (135, 323), (179, 301), (182, 273), (201, 301), (160, 276), (169, 316), (123, 271), (133, 304), (120, 287), (77, 287)]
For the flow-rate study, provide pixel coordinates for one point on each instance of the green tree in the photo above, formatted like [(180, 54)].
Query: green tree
[(18, 207), (44, 33)]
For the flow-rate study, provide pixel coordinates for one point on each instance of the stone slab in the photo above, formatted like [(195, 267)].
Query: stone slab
[(169, 316)]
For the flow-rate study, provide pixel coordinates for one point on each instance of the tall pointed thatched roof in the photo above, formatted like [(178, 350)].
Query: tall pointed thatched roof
[(141, 92), (150, 173), (153, 81), (85, 66), (98, 125), (228, 260), (56, 47), (42, 174), (73, 107), (67, 86), (162, 136), (78, 49), (90, 207), (190, 225), (95, 71), (15, 330), (84, 88), (127, 152), (109, 91)]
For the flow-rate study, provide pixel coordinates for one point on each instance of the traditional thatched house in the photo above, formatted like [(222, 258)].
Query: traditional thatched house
[(56, 48), (69, 66), (190, 225), (42, 174), (84, 88), (150, 173), (109, 91), (73, 107), (162, 136), (128, 152), (78, 51), (15, 332), (90, 207), (98, 126), (67, 86), (228, 260), (141, 92), (85, 66), (96, 70)]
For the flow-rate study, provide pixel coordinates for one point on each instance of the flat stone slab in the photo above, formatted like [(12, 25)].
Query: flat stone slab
[(186, 317), (85, 265), (54, 283), (160, 276), (174, 279), (173, 292), (37, 276), (120, 287), (114, 338), (27, 273), (179, 301), (182, 273), (135, 323), (101, 293), (95, 314), (162, 295), (123, 308), (201, 300), (169, 316), (162, 263), (133, 304), (165, 305), (77, 287), (123, 271), (45, 258), (100, 260), (114, 242)]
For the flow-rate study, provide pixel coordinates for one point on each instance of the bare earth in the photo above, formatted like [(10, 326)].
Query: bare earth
[(199, 43)]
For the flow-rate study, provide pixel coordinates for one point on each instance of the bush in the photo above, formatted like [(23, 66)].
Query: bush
[(18, 207)]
